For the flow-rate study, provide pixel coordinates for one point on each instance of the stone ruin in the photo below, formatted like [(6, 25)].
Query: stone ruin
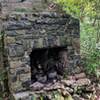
[(42, 48)]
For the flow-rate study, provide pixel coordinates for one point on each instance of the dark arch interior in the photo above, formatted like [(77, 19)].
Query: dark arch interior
[(43, 61)]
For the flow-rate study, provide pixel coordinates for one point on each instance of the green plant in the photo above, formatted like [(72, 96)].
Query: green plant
[(93, 63), (1, 98), (87, 11), (88, 47)]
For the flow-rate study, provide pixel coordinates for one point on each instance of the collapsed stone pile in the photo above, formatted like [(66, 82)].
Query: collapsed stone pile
[(77, 87)]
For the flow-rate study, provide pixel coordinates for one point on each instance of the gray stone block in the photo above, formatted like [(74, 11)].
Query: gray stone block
[(16, 50)]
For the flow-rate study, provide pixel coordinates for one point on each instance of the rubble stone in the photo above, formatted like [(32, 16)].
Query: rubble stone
[(37, 86), (77, 97), (70, 90), (80, 76), (52, 75), (68, 82), (83, 82)]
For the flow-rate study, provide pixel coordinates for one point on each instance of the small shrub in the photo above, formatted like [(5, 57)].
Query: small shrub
[(93, 63)]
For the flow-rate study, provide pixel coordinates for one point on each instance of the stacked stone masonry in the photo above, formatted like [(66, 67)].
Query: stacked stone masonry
[(39, 30)]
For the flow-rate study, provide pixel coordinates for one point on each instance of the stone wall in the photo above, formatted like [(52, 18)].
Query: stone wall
[(38, 30), (23, 6)]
